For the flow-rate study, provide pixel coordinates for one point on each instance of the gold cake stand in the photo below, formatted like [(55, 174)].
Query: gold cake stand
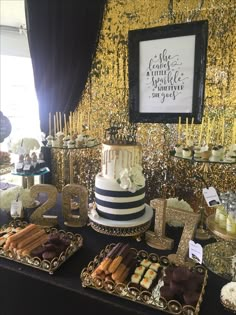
[(202, 232), (218, 256), (134, 227)]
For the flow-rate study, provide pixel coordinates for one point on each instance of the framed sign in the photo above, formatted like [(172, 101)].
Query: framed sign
[(167, 67)]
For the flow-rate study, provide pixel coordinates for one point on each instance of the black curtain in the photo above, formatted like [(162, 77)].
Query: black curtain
[(63, 36)]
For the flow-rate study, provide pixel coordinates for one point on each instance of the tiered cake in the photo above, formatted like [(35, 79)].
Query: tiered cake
[(119, 207), (120, 187)]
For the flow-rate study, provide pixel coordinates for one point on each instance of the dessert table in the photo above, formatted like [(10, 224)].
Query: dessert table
[(25, 290)]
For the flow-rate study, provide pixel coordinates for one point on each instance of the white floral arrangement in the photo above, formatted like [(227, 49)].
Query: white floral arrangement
[(177, 204), (25, 145), (131, 178), (7, 196)]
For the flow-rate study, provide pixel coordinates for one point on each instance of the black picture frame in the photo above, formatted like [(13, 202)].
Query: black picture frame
[(167, 68)]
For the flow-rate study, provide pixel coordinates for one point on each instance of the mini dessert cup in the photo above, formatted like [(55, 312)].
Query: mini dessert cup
[(71, 144), (216, 153), (205, 155), (49, 140), (197, 152), (178, 149), (186, 152)]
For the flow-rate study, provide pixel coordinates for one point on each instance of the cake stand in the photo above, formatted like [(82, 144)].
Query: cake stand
[(218, 256), (202, 233), (122, 228)]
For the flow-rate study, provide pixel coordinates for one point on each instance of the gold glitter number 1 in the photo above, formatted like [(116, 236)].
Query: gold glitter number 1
[(158, 239)]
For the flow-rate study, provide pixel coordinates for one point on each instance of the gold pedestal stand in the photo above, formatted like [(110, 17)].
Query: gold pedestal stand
[(202, 233), (220, 256)]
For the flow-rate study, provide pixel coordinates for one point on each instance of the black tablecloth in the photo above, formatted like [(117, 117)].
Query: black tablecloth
[(27, 291)]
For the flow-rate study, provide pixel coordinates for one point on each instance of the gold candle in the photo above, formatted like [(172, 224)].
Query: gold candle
[(223, 131), (55, 125), (179, 129), (60, 125), (57, 122), (65, 127), (187, 131), (191, 130), (234, 131), (200, 135)]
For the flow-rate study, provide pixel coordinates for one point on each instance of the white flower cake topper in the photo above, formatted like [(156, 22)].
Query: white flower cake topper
[(132, 178)]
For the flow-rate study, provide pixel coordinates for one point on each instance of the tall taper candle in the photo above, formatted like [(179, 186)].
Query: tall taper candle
[(223, 131), (55, 125), (234, 132), (186, 131), (60, 125), (65, 127), (50, 126), (200, 135), (179, 130)]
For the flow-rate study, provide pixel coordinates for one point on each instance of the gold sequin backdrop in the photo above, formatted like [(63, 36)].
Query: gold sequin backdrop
[(107, 92)]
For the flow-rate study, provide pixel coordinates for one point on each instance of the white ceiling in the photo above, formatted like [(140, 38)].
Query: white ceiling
[(12, 13)]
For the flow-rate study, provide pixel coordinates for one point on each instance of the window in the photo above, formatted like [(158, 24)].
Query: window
[(18, 98)]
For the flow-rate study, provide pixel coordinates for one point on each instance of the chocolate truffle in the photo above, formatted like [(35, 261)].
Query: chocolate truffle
[(181, 274), (176, 287), (167, 293), (191, 298)]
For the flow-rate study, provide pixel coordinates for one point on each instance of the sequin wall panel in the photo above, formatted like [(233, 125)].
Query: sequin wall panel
[(107, 92)]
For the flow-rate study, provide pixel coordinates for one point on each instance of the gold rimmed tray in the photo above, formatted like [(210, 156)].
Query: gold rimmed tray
[(129, 292), (76, 242)]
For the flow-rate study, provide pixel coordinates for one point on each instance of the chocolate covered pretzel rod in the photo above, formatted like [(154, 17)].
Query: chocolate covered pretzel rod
[(123, 265), (126, 272), (103, 266), (123, 252), (110, 256)]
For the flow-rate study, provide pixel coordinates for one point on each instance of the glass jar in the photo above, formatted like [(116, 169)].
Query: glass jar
[(230, 223)]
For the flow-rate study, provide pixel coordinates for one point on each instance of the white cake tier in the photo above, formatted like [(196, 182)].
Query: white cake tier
[(115, 203), (146, 217), (117, 157)]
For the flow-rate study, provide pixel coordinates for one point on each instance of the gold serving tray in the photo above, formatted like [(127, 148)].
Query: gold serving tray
[(43, 264), (129, 292)]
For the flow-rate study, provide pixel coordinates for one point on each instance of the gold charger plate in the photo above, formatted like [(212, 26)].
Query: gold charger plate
[(127, 291), (76, 242)]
